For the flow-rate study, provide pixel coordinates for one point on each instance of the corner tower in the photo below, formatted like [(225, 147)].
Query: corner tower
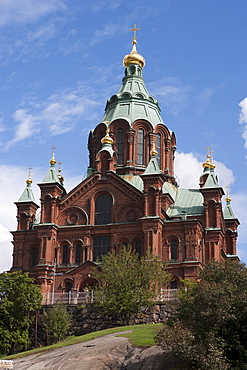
[(136, 125)]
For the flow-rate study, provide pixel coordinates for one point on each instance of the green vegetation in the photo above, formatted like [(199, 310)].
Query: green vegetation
[(136, 338), (127, 282), (19, 299), (209, 330), (57, 322)]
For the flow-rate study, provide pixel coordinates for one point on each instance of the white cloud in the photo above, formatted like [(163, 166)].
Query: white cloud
[(58, 114), (11, 187), (23, 11), (189, 169), (171, 93), (243, 119)]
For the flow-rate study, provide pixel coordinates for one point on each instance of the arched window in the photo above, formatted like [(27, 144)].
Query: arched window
[(120, 139), (138, 247), (211, 213), (78, 254), (34, 256), (68, 286), (174, 249), (65, 258), (103, 206), (140, 146), (158, 141)]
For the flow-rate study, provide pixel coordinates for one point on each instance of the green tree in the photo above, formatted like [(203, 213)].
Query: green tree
[(209, 330), (57, 322), (19, 299), (127, 282)]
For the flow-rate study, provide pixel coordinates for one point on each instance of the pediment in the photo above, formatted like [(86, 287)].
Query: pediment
[(83, 268)]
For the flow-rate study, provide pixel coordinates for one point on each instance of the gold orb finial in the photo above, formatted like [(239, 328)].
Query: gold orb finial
[(53, 160), (228, 198), (153, 151), (59, 175), (107, 139), (29, 180), (134, 57), (209, 159)]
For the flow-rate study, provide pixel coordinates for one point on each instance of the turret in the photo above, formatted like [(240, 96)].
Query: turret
[(52, 189), (26, 207)]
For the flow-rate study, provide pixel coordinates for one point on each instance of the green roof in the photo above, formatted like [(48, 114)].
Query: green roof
[(51, 175), (27, 195), (152, 167), (228, 212), (133, 101), (189, 201)]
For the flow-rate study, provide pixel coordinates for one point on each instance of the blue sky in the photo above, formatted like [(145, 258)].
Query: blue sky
[(61, 60)]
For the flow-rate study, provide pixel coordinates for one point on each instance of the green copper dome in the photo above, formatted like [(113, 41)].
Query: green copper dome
[(133, 101)]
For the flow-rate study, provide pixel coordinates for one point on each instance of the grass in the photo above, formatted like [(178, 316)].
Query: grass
[(141, 336)]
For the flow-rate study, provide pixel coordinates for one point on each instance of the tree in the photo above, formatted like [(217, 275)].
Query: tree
[(209, 330), (57, 322), (19, 299), (127, 281)]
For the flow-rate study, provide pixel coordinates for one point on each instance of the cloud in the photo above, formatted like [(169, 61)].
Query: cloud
[(108, 31), (243, 119), (189, 169), (171, 93), (25, 11), (56, 115), (11, 187)]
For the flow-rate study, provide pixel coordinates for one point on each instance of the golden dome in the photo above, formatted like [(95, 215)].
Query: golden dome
[(134, 57), (29, 180), (107, 139), (53, 160)]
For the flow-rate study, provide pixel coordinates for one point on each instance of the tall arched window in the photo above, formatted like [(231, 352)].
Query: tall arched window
[(140, 147), (78, 254), (158, 141), (103, 206), (174, 249), (120, 139), (34, 256), (138, 247), (65, 258), (211, 213)]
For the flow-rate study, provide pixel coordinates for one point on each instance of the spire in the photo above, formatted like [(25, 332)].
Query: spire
[(59, 175), (133, 100), (51, 175), (228, 212), (134, 57), (107, 140), (208, 179), (27, 195)]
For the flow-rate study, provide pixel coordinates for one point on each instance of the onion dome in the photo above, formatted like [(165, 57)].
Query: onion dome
[(59, 175), (134, 57), (107, 139), (209, 161), (29, 180), (53, 160)]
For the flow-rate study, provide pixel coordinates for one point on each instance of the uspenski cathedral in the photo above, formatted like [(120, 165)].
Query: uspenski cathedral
[(129, 197)]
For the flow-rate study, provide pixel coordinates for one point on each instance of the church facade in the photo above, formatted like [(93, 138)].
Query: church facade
[(130, 197)]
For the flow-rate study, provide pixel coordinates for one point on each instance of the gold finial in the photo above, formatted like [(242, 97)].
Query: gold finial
[(135, 28), (60, 177), (134, 57), (53, 160), (209, 161), (228, 198), (107, 139), (153, 151), (29, 180)]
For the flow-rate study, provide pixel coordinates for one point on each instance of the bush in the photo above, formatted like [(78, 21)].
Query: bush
[(57, 322)]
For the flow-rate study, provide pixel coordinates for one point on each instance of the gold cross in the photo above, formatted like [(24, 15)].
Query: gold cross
[(135, 28)]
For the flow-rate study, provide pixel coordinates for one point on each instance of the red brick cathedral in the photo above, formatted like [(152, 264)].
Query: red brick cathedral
[(130, 197)]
